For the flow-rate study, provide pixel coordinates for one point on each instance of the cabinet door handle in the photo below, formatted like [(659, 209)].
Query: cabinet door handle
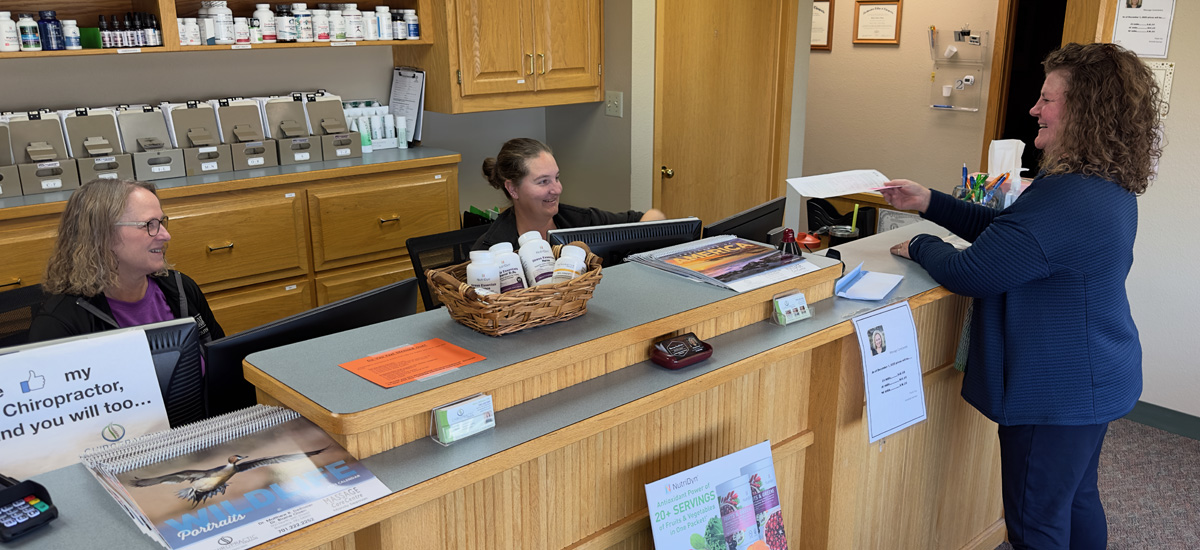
[(14, 283), (530, 56), (542, 57), (228, 246), (389, 220)]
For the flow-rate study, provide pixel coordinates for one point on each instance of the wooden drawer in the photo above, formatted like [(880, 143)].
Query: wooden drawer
[(372, 217), (244, 308), (233, 239), (26, 248), (344, 283)]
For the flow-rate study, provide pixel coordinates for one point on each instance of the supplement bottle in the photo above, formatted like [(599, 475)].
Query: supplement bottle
[(399, 27), (536, 258), (10, 39), (266, 21), (570, 264), (71, 35), (483, 271), (241, 30), (193, 31), (354, 22), (320, 25), (222, 22), (512, 275), (414, 28), (51, 31), (31, 39), (384, 22), (337, 25), (304, 25)]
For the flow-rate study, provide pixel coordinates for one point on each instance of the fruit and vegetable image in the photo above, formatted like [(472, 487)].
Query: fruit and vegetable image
[(713, 538)]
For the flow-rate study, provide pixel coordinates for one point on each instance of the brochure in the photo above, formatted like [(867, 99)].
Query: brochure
[(234, 481), (728, 262)]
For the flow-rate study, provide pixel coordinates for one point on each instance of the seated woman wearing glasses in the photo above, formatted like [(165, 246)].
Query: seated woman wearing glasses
[(108, 269), (527, 174)]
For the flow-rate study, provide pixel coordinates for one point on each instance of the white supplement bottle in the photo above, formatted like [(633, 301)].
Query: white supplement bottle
[(241, 30), (10, 39), (222, 23), (71, 34), (370, 26), (320, 20), (191, 28), (304, 23), (537, 258), (512, 275), (337, 25), (354, 22), (385, 22), (178, 21), (266, 21), (31, 39), (483, 271), (570, 264), (414, 28)]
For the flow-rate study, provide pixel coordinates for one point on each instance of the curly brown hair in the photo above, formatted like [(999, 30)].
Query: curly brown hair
[(510, 162), (1111, 128), (82, 262)]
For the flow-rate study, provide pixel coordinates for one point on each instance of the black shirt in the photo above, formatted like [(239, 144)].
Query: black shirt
[(504, 229)]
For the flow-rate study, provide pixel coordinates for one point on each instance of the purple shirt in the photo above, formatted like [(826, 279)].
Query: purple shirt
[(152, 308)]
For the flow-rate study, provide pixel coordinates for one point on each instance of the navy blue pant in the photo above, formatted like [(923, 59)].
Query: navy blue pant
[(1048, 475)]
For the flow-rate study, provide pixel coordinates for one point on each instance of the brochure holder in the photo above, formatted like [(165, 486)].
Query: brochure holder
[(956, 83), (144, 135), (286, 119), (42, 152), (195, 128), (94, 142), (242, 129), (788, 307), (461, 419), (10, 179), (328, 118)]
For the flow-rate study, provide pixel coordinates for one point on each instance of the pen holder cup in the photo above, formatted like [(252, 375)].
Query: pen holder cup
[(839, 234), (508, 312)]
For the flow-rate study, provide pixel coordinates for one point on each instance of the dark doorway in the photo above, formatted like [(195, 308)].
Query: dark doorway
[(1038, 31)]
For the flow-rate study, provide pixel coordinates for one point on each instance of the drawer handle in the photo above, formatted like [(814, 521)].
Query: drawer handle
[(389, 220), (530, 56), (543, 59), (14, 283), (228, 246)]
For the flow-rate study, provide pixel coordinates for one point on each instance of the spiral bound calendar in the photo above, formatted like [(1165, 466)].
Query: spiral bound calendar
[(233, 481)]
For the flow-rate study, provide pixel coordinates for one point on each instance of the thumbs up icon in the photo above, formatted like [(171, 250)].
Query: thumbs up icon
[(35, 382)]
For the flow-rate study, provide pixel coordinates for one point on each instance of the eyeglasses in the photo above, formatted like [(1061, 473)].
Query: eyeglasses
[(151, 226)]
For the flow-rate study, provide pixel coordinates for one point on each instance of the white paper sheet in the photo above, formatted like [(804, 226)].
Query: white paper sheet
[(408, 99), (891, 370), (1144, 26), (838, 183)]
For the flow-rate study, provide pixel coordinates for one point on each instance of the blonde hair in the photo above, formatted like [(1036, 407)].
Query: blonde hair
[(82, 262)]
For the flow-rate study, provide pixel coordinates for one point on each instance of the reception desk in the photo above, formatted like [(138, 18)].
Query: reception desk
[(584, 421)]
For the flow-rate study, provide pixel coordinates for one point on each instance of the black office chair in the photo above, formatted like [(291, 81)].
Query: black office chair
[(438, 251), (17, 309)]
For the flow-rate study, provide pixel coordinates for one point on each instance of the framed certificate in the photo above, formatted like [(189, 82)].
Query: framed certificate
[(877, 22), (822, 25)]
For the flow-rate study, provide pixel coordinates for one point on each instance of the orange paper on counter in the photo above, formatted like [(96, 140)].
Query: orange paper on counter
[(400, 366)]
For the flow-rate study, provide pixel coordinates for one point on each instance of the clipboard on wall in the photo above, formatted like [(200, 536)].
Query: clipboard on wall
[(408, 99)]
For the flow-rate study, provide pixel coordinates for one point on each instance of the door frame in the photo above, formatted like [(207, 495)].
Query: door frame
[(785, 56)]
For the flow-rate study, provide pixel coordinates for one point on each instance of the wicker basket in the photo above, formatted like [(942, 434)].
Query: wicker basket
[(499, 314)]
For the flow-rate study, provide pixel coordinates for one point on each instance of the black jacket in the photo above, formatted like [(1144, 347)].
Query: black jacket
[(63, 315)]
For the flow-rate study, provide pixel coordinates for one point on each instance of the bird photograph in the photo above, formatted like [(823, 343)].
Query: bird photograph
[(204, 484)]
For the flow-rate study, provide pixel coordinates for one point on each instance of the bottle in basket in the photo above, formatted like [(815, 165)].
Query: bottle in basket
[(537, 258), (483, 271), (570, 264), (512, 275)]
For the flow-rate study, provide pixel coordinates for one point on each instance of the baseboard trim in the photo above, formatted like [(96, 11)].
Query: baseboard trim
[(1165, 419)]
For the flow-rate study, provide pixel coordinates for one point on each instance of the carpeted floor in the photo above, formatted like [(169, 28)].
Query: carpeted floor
[(1150, 487)]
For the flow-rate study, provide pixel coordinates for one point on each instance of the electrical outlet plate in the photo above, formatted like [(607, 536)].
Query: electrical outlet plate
[(614, 104)]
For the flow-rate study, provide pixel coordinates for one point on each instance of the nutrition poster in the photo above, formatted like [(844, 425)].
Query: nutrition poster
[(730, 502)]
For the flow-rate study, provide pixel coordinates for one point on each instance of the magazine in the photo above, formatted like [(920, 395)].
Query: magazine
[(728, 262), (233, 481)]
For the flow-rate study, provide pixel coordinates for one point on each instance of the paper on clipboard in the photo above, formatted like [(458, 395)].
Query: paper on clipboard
[(408, 99)]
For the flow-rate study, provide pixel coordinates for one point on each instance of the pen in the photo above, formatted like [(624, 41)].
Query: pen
[(942, 106), (964, 179)]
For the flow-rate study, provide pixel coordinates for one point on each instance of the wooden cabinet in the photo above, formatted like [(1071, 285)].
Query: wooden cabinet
[(504, 54), (265, 248)]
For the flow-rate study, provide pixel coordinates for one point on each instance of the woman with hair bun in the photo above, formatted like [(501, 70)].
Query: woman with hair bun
[(526, 172), (1054, 355)]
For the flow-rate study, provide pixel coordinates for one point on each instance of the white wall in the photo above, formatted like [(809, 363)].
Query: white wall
[(868, 104), (1162, 288)]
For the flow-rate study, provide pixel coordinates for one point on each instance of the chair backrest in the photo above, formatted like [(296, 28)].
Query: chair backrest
[(17, 308), (440, 250)]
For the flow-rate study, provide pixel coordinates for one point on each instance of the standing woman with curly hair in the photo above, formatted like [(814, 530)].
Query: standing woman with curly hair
[(109, 269), (1054, 354)]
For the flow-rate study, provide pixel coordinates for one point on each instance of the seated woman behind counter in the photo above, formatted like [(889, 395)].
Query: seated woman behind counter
[(109, 270), (526, 172)]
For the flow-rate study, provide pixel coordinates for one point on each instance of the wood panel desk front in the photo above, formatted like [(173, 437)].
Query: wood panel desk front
[(584, 422)]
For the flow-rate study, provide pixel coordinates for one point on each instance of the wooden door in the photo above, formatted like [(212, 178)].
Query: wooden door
[(495, 51), (568, 43), (723, 88)]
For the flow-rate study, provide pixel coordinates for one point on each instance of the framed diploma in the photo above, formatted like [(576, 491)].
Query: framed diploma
[(822, 25), (877, 22)]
